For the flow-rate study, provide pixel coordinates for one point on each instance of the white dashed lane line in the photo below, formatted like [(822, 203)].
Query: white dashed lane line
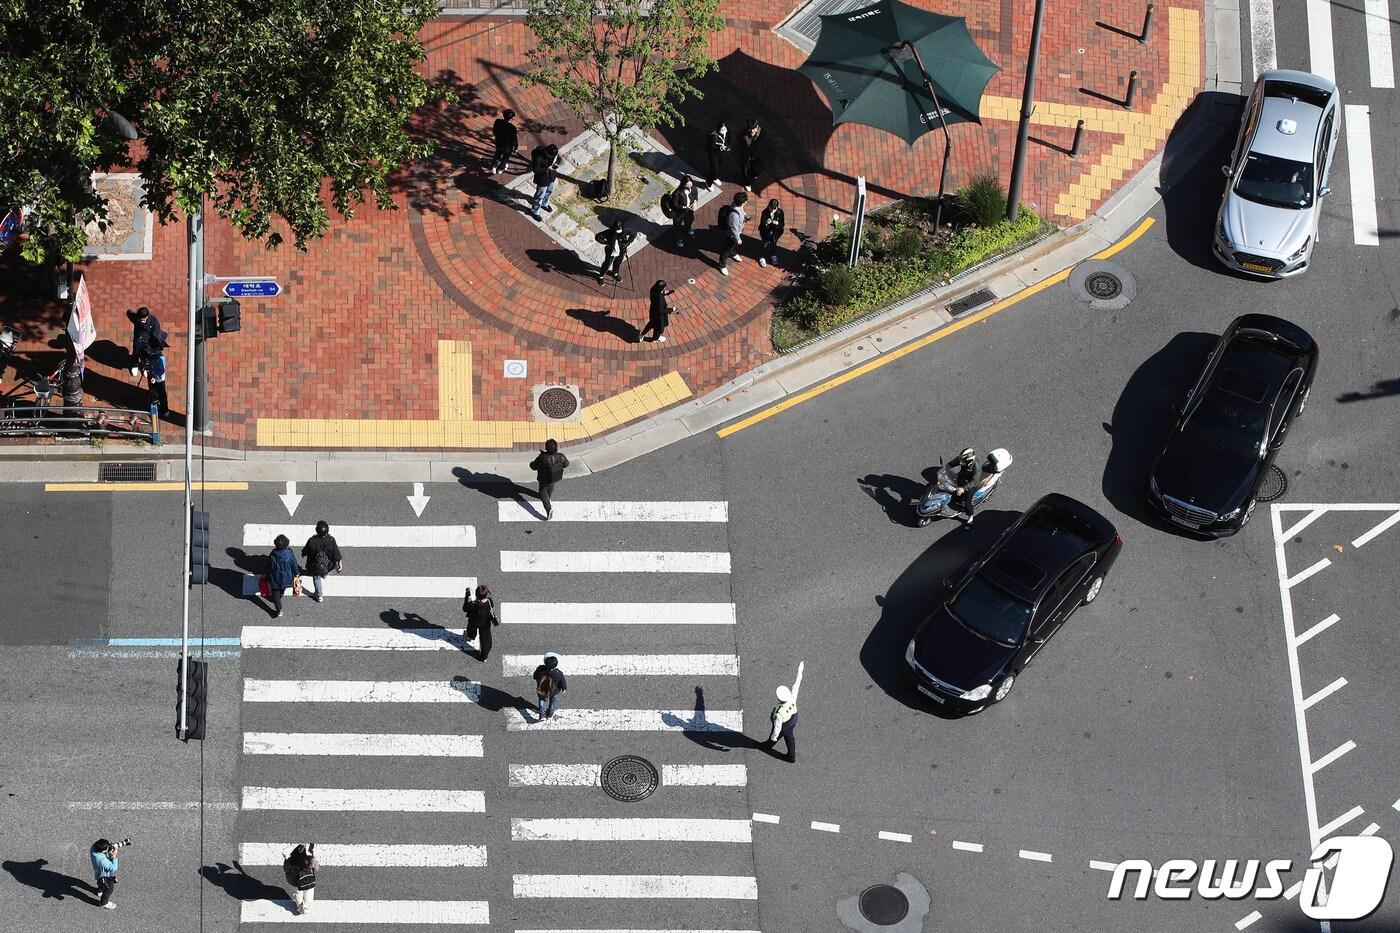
[(1102, 866), (1249, 920), (967, 846), (896, 837), (826, 827), (1033, 856), (765, 818)]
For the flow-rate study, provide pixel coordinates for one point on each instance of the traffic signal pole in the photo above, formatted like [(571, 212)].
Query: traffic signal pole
[(195, 240)]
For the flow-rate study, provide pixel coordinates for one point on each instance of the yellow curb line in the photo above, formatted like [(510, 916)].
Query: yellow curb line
[(143, 487), (891, 356)]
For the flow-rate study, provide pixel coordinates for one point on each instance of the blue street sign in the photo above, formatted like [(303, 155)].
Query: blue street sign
[(257, 289)]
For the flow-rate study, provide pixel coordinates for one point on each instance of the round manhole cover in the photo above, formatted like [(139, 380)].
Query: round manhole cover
[(1274, 485), (883, 904), (558, 403), (629, 777), (1103, 285)]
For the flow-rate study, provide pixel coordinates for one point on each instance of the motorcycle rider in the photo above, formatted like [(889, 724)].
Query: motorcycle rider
[(966, 473)]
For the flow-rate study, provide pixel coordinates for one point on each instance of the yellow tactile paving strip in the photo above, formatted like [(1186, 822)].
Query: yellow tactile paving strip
[(454, 428), (1142, 132)]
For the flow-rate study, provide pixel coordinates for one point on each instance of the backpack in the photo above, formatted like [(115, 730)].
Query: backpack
[(320, 563), (723, 220), (544, 687), (668, 206)]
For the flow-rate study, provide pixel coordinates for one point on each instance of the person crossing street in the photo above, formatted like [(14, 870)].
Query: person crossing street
[(549, 467), (481, 618), (322, 556), (784, 717), (550, 682)]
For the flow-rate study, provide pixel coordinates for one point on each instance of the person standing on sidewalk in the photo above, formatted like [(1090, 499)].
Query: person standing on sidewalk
[(544, 160), (104, 871), (300, 868), (549, 467), (481, 616), (155, 376), (322, 556), (549, 683), (784, 717), (507, 141), (771, 225), (750, 153), (716, 145), (145, 328), (659, 315), (616, 240), (731, 221), (683, 201), (282, 571)]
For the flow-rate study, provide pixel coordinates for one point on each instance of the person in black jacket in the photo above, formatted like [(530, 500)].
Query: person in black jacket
[(507, 141), (659, 314), (481, 616), (145, 329), (750, 153), (544, 160), (715, 147), (549, 683), (616, 240), (683, 202), (771, 224), (322, 556), (549, 469)]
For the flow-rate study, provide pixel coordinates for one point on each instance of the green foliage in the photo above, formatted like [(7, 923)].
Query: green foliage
[(982, 201), (906, 244), (254, 105), (838, 285)]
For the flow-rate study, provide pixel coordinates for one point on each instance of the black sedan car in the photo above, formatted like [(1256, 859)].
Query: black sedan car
[(1007, 604), (1231, 424)]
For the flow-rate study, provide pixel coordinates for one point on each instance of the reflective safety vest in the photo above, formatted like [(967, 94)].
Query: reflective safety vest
[(780, 715)]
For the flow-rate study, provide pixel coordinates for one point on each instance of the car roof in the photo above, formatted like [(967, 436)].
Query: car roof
[(1277, 113), (1052, 534)]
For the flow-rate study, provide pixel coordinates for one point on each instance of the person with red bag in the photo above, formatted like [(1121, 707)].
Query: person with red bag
[(283, 571)]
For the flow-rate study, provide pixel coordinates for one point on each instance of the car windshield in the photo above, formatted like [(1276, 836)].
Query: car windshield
[(992, 612), (1235, 428), (1276, 182)]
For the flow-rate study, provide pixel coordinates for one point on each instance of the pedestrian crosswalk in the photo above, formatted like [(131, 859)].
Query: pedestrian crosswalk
[(427, 777)]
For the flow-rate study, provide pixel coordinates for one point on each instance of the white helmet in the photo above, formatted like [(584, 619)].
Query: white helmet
[(784, 693), (1000, 459)]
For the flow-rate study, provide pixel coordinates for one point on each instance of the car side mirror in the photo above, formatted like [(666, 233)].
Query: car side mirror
[(1227, 171), (1324, 192)]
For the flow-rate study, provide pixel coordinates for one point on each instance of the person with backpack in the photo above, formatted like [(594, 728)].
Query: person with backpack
[(507, 141), (679, 206), (544, 160), (322, 556), (481, 617), (731, 225), (549, 467), (549, 683), (616, 240), (300, 868), (282, 571), (716, 145), (771, 225)]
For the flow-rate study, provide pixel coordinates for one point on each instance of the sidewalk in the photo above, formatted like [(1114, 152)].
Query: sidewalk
[(392, 334)]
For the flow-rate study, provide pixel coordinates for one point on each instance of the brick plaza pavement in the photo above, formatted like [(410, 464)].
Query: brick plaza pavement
[(392, 332)]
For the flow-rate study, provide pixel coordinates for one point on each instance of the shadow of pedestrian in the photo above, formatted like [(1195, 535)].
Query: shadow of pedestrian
[(496, 486), (706, 733), (897, 495), (1379, 389), (565, 262), (428, 631), (604, 323), (108, 353), (49, 883), (238, 884), (495, 700)]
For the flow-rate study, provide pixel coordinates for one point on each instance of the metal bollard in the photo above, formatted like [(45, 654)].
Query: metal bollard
[(1146, 25), (1078, 134), (1132, 89), (155, 425)]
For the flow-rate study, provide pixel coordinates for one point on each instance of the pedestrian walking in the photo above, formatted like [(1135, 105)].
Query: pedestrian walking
[(544, 160), (155, 376), (716, 145), (750, 153), (616, 240), (322, 556), (282, 571), (784, 717), (683, 203), (660, 313), (145, 328), (104, 871), (507, 140), (731, 224), (549, 683), (771, 225), (300, 867), (481, 618), (549, 467)]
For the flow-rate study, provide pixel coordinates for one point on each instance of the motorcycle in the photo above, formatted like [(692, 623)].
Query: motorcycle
[(937, 500)]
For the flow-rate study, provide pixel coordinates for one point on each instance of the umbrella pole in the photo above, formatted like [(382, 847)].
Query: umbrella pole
[(947, 139), (1018, 161)]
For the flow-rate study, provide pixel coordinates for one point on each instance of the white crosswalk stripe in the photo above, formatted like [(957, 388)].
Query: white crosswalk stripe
[(515, 510), (615, 561), (335, 638), (359, 799), (1378, 43), (627, 720), (1364, 226), (395, 912), (361, 691), (1320, 39), (618, 665), (347, 536), (358, 855), (358, 743), (630, 830), (592, 614), (587, 775), (689, 887), (344, 585)]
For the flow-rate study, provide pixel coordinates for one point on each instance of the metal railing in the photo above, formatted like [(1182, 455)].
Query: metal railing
[(30, 419)]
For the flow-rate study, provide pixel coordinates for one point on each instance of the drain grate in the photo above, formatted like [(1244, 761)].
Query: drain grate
[(883, 904), (968, 302), (629, 778), (1274, 485), (557, 403), (141, 472)]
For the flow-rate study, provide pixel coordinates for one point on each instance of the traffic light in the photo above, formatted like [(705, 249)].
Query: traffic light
[(199, 547), (228, 316), (208, 323), (196, 697)]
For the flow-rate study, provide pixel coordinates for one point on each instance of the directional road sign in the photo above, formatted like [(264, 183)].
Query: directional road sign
[(257, 288)]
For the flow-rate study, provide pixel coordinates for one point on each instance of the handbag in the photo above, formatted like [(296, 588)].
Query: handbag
[(296, 586), (264, 587)]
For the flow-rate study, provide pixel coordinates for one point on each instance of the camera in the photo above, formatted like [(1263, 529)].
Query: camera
[(122, 843)]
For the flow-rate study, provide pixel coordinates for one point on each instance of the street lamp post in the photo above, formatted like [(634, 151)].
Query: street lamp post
[(1018, 161), (902, 52)]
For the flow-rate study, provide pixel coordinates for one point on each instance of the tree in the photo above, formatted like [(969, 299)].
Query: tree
[(619, 64), (256, 104)]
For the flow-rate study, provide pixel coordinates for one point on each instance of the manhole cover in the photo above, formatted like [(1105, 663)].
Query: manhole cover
[(1103, 285), (629, 777), (883, 904), (1274, 485), (557, 403)]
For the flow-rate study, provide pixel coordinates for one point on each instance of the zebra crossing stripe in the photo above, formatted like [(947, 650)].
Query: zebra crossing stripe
[(1378, 43), (1261, 36), (587, 775), (411, 800), (361, 743), (704, 775), (342, 585), (712, 887), (615, 561), (438, 912), (633, 829), (361, 691), (1364, 226), (333, 638), (636, 931), (628, 720), (256, 535), (1320, 39), (618, 613), (516, 510), (372, 855), (520, 665)]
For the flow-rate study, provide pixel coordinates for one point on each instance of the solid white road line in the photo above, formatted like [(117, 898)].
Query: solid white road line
[(587, 775), (364, 799), (1325, 692), (1261, 36), (361, 691), (1307, 520), (1379, 529), (1365, 228), (615, 562), (896, 837), (1333, 755), (1316, 629), (1324, 831), (1370, 830), (1320, 39), (1378, 43), (689, 665), (515, 510), (967, 846), (1103, 866), (361, 743), (342, 585), (475, 912), (1033, 856), (628, 720), (332, 638), (1299, 578), (770, 818), (710, 887), (366, 535), (618, 613), (826, 827), (1248, 920), (132, 805), (370, 855), (630, 829)]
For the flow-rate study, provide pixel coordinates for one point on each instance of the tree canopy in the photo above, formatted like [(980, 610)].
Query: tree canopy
[(256, 104)]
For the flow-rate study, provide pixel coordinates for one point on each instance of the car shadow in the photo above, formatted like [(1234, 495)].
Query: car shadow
[(897, 495), (1142, 417), (910, 598), (49, 883), (1192, 183)]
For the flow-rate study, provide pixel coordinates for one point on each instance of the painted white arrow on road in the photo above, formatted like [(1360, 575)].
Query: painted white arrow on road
[(290, 498), (418, 500)]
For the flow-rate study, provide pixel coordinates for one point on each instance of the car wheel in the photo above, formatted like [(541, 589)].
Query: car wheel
[(1303, 402), (1094, 588), (1003, 689)]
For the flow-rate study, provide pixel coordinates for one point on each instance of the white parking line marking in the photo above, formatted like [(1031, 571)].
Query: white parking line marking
[(1320, 39), (338, 638), (967, 846), (1341, 507), (1378, 530), (1332, 756), (1370, 830), (619, 665), (367, 535), (826, 827), (1294, 581), (1293, 890), (629, 829), (1247, 921), (1297, 529), (635, 931), (615, 562), (1261, 36), (370, 856), (1325, 692), (896, 837), (1316, 629), (1378, 43), (361, 691), (1035, 856), (411, 800), (765, 818), (1365, 229), (514, 510), (637, 886), (438, 912), (341, 585), (618, 613), (628, 720), (360, 743), (1324, 831), (1103, 866)]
